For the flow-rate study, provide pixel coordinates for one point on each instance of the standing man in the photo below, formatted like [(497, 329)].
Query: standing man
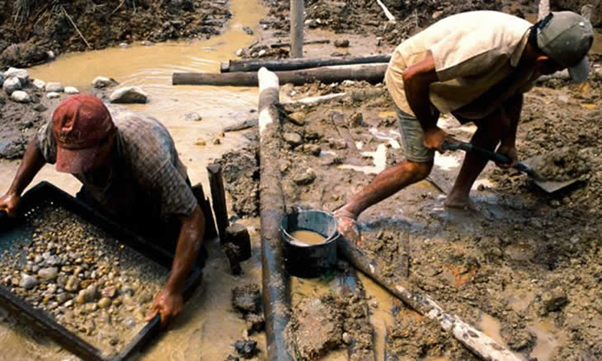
[(130, 171), (476, 66)]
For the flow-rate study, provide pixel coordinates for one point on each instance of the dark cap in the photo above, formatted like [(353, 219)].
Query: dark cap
[(566, 37), (79, 124)]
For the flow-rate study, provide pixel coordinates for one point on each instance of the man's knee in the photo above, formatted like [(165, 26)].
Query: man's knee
[(421, 170)]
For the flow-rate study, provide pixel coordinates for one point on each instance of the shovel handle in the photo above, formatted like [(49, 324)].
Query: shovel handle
[(487, 154)]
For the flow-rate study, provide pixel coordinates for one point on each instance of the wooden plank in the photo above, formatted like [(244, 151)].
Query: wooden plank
[(218, 194)]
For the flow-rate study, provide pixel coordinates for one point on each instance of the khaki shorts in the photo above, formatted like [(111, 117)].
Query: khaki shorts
[(412, 138)]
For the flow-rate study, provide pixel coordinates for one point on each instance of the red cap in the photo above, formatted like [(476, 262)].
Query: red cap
[(79, 124)]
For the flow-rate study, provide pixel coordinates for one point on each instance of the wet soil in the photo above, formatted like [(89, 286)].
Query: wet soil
[(90, 283), (29, 28), (530, 261)]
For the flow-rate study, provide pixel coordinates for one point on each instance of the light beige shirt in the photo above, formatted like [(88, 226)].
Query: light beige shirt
[(473, 52)]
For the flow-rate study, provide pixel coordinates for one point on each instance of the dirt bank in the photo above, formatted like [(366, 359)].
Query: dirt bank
[(29, 29)]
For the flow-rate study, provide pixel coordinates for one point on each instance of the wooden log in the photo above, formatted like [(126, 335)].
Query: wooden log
[(543, 10), (199, 194), (246, 65), (480, 344), (386, 11), (316, 100), (275, 280), (310, 42), (218, 194), (372, 73), (297, 9)]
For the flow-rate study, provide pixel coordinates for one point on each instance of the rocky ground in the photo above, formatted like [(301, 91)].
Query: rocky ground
[(92, 285), (33, 31)]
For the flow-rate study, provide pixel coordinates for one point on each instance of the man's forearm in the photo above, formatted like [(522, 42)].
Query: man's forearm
[(187, 250), (32, 162), (512, 109)]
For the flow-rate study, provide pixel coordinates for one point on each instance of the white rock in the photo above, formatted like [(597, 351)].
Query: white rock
[(124, 45), (20, 96), (130, 94), (53, 95), (54, 88), (11, 84), (239, 52), (39, 84), (20, 74), (71, 90), (193, 116), (50, 54), (28, 282), (262, 53), (102, 82)]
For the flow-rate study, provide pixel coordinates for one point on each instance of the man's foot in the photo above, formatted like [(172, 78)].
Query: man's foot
[(347, 227), (463, 203)]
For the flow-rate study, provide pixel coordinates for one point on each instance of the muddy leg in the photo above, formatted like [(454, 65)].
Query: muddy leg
[(487, 136), (386, 183)]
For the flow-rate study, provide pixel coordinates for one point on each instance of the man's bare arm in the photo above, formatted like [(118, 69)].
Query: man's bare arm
[(169, 302), (32, 162)]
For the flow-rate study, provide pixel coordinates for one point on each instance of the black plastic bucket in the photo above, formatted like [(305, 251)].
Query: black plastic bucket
[(309, 260)]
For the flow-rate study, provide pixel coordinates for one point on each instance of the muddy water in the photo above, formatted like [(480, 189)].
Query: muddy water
[(208, 327), (308, 237), (151, 68)]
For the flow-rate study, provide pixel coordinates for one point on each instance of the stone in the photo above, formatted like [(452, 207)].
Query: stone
[(124, 45), (71, 90), (144, 297), (11, 85), (238, 235), (305, 178), (293, 139), (104, 302), (247, 299), (20, 96), (347, 338), (246, 348), (63, 297), (40, 108), (193, 117), (297, 118), (356, 120), (103, 82), (554, 300), (28, 282), (337, 144), (53, 95), (248, 30), (72, 284), (54, 88), (239, 52), (343, 43), (131, 94), (39, 84), (255, 323), (147, 43), (312, 149), (48, 274), (109, 292), (20, 74)]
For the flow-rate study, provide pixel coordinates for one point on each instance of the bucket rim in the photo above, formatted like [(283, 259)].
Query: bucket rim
[(328, 240)]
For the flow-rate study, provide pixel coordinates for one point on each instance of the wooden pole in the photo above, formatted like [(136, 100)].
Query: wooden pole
[(372, 73), (544, 9), (310, 42), (275, 279), (476, 341), (218, 194), (246, 65), (297, 9)]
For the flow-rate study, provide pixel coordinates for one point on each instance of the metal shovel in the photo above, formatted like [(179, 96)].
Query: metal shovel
[(528, 166)]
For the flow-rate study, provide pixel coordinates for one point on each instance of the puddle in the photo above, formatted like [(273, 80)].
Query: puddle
[(379, 158), (390, 138), (492, 328), (546, 343)]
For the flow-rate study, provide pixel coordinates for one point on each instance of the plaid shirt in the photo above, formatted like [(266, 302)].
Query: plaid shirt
[(147, 180)]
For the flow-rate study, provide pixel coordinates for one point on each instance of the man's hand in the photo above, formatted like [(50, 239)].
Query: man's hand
[(168, 304), (510, 152), (9, 203), (434, 138)]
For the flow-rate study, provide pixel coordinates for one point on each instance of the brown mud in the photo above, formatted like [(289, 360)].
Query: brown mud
[(29, 29), (475, 264)]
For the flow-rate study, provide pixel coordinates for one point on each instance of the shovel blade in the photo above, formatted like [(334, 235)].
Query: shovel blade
[(547, 185)]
